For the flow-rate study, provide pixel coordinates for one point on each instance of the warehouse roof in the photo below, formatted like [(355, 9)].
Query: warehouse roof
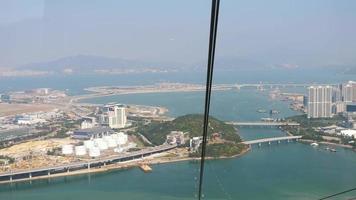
[(93, 131)]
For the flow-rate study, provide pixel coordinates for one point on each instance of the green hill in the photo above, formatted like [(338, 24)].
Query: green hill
[(228, 144)]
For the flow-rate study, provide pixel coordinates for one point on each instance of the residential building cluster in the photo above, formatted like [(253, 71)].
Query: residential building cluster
[(326, 101)]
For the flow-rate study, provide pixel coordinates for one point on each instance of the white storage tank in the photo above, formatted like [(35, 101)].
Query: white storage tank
[(131, 145), (120, 134), (89, 144), (98, 140), (119, 150), (94, 152), (114, 136), (102, 145), (111, 143), (119, 142), (67, 149), (122, 138), (80, 150), (107, 137)]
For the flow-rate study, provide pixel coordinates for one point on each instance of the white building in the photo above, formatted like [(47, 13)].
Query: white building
[(86, 124), (42, 91), (320, 102), (337, 94), (340, 107), (114, 116), (349, 133), (175, 137), (30, 120), (347, 93), (103, 119), (194, 143)]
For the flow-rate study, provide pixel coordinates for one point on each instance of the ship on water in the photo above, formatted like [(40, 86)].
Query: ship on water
[(261, 111)]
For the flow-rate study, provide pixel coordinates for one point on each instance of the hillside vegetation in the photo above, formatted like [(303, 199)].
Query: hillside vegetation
[(228, 144)]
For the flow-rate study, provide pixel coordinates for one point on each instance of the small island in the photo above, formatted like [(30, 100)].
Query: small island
[(223, 139)]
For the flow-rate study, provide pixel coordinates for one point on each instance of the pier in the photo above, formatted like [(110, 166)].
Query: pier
[(145, 168)]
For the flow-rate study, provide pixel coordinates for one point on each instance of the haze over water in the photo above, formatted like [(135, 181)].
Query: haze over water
[(77, 82)]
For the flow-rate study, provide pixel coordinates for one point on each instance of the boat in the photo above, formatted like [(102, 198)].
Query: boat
[(267, 119), (327, 148), (261, 111), (274, 112), (333, 150), (314, 144)]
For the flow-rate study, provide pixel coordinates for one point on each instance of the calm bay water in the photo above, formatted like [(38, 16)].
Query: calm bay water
[(283, 171), (225, 105), (75, 83)]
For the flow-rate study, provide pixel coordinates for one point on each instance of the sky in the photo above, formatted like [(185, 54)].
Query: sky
[(276, 32)]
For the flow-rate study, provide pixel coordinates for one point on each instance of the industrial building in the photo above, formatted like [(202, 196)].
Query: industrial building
[(94, 132), (29, 119)]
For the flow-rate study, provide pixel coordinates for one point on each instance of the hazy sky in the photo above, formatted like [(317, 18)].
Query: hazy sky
[(301, 32)]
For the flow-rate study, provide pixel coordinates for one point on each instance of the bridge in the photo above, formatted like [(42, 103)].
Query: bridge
[(273, 139), (282, 85), (263, 123), (48, 170)]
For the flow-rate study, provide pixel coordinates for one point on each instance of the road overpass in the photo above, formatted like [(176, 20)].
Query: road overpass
[(273, 139), (48, 170)]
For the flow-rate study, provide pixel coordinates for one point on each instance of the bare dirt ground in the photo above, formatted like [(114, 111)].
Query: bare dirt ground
[(38, 147), (13, 109), (36, 152)]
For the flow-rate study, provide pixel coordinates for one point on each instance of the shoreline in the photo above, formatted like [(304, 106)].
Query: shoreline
[(79, 99), (327, 143), (155, 160), (103, 91), (321, 142)]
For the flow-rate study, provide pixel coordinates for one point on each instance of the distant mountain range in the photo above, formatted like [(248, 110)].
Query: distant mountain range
[(87, 63), (90, 64)]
